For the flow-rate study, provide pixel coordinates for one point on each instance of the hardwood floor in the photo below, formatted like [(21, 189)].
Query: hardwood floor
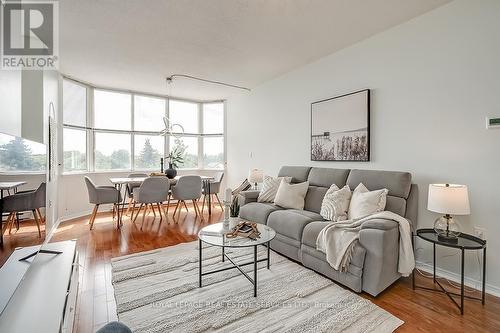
[(422, 311)]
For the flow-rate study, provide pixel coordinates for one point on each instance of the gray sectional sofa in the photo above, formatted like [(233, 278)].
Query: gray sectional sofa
[(374, 265)]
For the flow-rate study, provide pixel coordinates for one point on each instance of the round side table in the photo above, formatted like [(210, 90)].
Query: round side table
[(464, 242)]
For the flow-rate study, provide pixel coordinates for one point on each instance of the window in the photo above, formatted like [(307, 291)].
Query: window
[(213, 118), (148, 150), (122, 130), (184, 114), (148, 114), (213, 152), (112, 110), (74, 104), (75, 149), (189, 148), (112, 151), (18, 154)]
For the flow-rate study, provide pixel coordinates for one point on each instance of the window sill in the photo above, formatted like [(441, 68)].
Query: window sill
[(22, 173), (76, 173)]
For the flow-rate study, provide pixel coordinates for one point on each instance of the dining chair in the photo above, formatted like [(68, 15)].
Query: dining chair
[(153, 191), (99, 195), (187, 188), (23, 202), (214, 190), (130, 190)]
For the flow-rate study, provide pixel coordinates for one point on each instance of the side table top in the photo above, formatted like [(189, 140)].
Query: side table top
[(465, 241)]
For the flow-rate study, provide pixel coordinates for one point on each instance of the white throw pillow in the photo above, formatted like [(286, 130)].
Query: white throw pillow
[(270, 188), (291, 196), (364, 202), (335, 204)]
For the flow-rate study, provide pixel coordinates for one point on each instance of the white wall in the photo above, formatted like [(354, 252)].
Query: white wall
[(433, 79)]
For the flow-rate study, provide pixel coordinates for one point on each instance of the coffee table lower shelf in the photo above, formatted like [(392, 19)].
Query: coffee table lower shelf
[(238, 266)]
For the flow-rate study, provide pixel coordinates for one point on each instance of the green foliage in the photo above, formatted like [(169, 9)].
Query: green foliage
[(119, 159), (235, 208), (16, 155), (149, 158)]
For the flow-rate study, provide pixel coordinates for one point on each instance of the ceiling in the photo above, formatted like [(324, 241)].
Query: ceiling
[(134, 45)]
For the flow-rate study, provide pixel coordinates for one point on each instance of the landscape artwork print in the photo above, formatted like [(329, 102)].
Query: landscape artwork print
[(340, 128)]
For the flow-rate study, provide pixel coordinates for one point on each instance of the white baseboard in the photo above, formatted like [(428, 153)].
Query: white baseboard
[(469, 282), (72, 216)]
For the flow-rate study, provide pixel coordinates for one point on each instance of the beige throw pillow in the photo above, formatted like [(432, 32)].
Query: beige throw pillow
[(270, 188), (291, 196), (364, 202), (335, 204)]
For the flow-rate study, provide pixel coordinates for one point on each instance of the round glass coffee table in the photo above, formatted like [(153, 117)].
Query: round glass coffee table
[(215, 235)]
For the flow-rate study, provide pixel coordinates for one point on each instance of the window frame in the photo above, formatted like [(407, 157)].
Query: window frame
[(91, 130)]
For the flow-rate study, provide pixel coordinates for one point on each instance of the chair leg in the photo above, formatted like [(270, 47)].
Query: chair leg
[(159, 210), (203, 204), (138, 212), (132, 211), (144, 216), (217, 197), (113, 212), (185, 206), (153, 208), (92, 217), (130, 201), (168, 204), (10, 220), (165, 213), (176, 207), (37, 223), (42, 219), (194, 206)]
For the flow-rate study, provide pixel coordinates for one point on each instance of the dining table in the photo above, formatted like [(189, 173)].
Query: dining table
[(7, 186), (121, 184)]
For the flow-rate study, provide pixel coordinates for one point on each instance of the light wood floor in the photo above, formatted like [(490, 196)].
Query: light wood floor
[(422, 311)]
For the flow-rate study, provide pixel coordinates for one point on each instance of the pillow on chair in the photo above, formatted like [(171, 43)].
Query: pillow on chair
[(270, 188), (291, 196), (365, 202), (335, 204)]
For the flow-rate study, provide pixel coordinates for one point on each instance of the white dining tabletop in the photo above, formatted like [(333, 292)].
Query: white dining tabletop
[(11, 185), (138, 180)]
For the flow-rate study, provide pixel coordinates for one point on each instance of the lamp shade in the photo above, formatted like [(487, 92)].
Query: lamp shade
[(450, 199), (256, 176)]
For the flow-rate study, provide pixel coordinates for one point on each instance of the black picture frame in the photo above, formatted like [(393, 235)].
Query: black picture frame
[(358, 138)]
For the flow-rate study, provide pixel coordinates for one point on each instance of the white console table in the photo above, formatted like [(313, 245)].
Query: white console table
[(45, 299)]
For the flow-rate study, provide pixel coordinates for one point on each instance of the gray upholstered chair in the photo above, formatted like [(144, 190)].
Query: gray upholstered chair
[(214, 190), (187, 188), (153, 191), (23, 202), (99, 195), (130, 190)]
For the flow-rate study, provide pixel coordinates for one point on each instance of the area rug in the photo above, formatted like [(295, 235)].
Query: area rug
[(157, 291)]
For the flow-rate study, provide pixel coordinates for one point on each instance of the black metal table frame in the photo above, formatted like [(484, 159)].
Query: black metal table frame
[(462, 285), (236, 265)]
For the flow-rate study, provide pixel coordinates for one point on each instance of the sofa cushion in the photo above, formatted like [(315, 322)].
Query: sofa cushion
[(314, 198), (364, 202), (299, 174), (257, 211), (325, 177), (311, 232), (291, 195), (270, 187), (291, 222), (396, 205), (398, 183)]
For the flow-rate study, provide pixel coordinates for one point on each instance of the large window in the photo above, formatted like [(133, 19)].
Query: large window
[(112, 151), (112, 110), (123, 131), (18, 154)]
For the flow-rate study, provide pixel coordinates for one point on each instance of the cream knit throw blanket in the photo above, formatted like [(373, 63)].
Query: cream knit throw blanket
[(337, 241)]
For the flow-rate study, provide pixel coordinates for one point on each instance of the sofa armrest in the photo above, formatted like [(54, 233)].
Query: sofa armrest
[(245, 197), (380, 224)]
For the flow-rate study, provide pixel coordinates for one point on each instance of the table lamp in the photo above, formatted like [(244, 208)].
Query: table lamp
[(256, 176), (448, 199)]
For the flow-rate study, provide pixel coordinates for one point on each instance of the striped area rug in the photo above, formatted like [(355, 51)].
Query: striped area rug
[(157, 291)]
